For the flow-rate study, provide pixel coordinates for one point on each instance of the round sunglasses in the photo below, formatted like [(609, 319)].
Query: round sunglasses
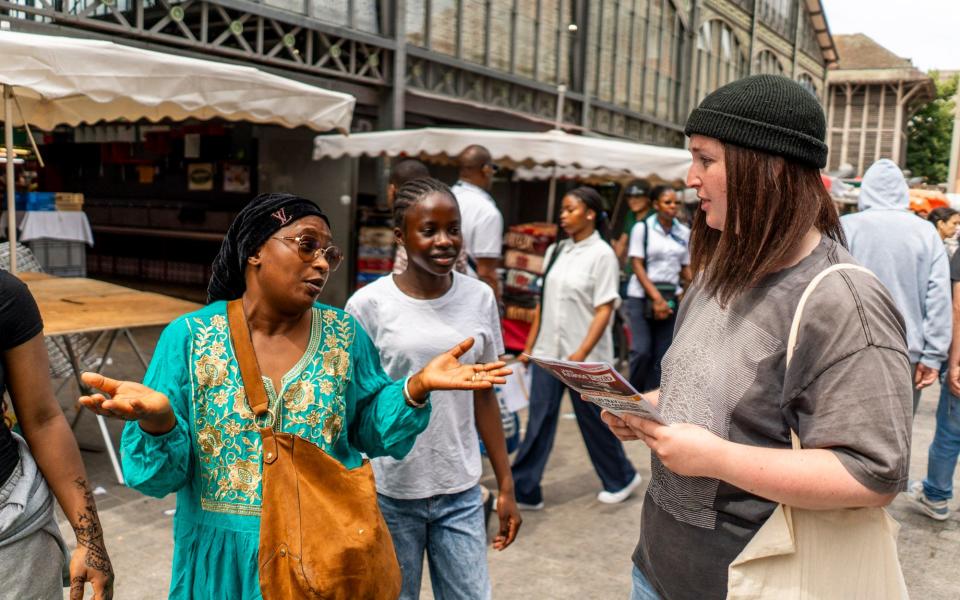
[(309, 248)]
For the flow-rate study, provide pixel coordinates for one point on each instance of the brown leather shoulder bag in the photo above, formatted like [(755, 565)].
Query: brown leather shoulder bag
[(321, 531)]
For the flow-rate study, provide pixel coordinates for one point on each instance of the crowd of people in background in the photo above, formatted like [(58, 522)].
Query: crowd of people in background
[(404, 375)]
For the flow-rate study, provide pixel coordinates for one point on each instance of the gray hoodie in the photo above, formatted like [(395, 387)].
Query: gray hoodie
[(907, 255)]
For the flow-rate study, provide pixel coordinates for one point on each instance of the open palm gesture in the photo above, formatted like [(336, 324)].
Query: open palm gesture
[(130, 401), (445, 372)]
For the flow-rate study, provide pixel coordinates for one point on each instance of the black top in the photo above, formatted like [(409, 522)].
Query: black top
[(955, 267), (19, 322)]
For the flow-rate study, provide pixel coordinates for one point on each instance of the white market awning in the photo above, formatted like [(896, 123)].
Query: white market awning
[(54, 80), (68, 81), (571, 174), (514, 149)]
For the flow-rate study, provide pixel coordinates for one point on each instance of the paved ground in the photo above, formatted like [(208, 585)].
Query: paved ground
[(575, 548)]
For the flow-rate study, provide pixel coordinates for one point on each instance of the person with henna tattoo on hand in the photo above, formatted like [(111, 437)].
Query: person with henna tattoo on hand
[(43, 464)]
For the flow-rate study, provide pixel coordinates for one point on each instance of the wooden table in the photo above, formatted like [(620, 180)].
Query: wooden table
[(71, 305)]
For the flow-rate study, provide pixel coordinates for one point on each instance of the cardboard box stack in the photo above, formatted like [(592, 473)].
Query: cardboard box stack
[(68, 202)]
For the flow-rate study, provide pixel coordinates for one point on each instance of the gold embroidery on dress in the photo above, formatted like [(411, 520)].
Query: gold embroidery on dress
[(309, 404)]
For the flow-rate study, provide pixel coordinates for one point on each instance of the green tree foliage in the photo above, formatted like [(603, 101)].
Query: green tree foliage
[(929, 133)]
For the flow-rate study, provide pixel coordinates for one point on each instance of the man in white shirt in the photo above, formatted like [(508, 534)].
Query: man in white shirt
[(482, 223)]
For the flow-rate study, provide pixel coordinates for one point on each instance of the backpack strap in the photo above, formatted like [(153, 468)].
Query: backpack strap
[(543, 281), (550, 263), (646, 242), (243, 348)]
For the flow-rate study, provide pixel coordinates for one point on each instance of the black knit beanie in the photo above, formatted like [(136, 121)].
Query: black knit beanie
[(769, 113), (251, 228)]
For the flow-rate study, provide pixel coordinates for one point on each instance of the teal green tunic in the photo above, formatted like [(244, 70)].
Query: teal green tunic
[(337, 396)]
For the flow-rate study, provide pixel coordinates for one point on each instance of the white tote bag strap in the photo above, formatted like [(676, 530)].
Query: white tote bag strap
[(795, 324)]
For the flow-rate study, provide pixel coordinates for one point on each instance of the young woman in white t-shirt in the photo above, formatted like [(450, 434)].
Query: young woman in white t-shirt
[(431, 499)]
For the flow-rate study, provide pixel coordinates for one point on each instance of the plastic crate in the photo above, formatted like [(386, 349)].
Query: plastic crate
[(20, 200), (33, 201), (64, 258), (40, 201)]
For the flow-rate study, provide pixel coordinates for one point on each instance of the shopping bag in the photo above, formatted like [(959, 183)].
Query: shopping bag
[(322, 534), (799, 554)]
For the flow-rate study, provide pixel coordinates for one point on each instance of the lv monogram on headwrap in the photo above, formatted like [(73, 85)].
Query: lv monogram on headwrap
[(251, 228)]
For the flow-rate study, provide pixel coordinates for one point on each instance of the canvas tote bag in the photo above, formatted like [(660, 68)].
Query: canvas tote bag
[(799, 554), (321, 531)]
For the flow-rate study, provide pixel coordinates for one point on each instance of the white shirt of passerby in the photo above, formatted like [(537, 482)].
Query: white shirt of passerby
[(668, 253), (409, 332), (585, 276), (480, 221)]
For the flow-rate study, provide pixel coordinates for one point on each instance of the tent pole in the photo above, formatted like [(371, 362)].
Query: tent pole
[(11, 201), (551, 195)]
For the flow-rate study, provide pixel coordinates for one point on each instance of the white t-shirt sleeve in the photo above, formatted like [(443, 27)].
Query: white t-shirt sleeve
[(635, 250), (487, 237), (607, 281), (361, 308), (493, 350)]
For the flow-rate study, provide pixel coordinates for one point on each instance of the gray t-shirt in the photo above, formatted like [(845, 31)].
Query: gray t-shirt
[(847, 390), (409, 332)]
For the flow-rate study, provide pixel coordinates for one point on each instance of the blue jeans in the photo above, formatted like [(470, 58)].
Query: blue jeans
[(945, 449), (649, 341), (450, 529), (642, 590), (605, 450)]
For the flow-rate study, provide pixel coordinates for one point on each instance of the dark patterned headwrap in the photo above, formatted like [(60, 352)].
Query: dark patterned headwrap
[(252, 227)]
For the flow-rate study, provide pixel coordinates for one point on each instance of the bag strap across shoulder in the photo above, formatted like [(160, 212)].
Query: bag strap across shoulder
[(795, 324), (558, 247), (243, 348)]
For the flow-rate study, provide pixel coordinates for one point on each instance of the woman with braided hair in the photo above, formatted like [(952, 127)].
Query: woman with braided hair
[(431, 499), (193, 429), (573, 322)]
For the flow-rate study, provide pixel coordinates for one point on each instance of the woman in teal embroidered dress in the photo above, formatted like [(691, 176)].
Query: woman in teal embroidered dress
[(192, 430)]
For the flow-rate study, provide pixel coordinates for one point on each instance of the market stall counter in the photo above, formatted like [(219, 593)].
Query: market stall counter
[(78, 305)]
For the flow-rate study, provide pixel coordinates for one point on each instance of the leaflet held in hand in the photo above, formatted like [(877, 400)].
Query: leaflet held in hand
[(601, 384)]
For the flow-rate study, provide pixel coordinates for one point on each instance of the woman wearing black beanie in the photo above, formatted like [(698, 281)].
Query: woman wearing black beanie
[(205, 420), (765, 230)]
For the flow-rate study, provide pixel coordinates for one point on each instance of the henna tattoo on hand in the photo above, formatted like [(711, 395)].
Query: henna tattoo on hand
[(90, 534), (76, 587)]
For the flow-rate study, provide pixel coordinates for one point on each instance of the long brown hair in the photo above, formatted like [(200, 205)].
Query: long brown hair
[(772, 203)]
